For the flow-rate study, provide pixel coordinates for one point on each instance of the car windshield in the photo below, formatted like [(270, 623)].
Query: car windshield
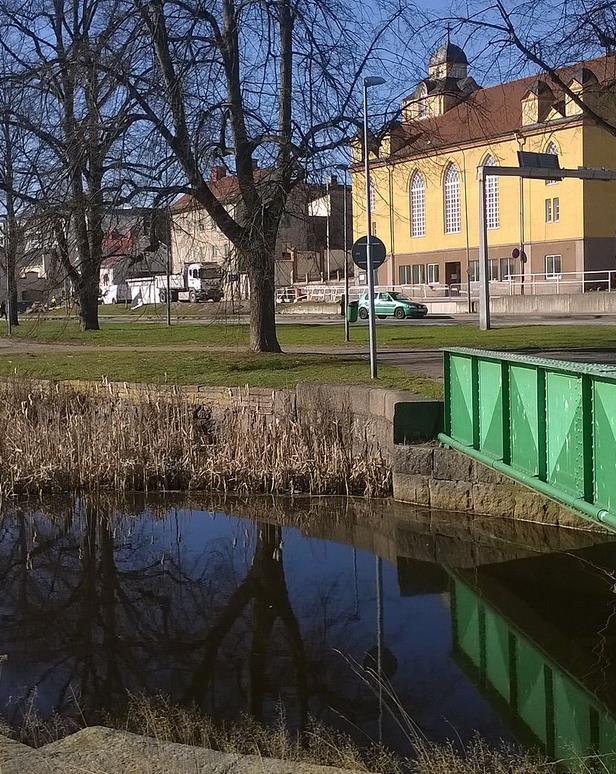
[(399, 297)]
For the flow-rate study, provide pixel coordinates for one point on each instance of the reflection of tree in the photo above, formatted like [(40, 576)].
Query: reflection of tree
[(265, 585), (96, 605)]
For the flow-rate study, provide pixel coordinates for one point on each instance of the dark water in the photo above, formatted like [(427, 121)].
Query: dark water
[(503, 630)]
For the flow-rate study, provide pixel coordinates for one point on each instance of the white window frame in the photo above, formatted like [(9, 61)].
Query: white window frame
[(433, 273), (417, 204), (421, 273), (451, 200), (552, 149), (548, 211), (405, 271), (372, 197), (492, 196), (556, 209), (552, 258)]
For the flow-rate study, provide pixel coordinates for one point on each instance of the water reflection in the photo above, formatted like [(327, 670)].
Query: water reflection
[(286, 604)]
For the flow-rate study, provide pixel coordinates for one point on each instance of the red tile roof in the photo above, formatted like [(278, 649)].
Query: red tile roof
[(225, 189), (490, 112)]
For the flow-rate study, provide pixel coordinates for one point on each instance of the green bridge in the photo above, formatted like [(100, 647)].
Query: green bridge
[(547, 423), (533, 660)]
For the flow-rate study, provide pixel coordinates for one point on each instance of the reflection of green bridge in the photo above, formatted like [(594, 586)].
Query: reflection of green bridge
[(542, 660), (546, 423)]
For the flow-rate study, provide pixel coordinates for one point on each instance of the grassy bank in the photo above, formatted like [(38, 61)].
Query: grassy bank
[(411, 335), (320, 745), (216, 370), (57, 441)]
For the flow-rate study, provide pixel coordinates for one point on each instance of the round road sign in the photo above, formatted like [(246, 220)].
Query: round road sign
[(359, 252)]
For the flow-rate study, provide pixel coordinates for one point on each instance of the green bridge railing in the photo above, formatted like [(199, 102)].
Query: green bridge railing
[(547, 423)]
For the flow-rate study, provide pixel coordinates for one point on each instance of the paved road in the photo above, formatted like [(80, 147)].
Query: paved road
[(428, 362), (295, 319)]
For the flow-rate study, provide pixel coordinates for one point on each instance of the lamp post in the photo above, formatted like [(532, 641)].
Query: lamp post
[(373, 80), (343, 168)]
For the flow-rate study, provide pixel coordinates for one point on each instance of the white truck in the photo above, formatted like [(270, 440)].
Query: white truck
[(198, 282)]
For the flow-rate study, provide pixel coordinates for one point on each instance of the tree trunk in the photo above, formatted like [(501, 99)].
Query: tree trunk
[(88, 304), (12, 299), (260, 267)]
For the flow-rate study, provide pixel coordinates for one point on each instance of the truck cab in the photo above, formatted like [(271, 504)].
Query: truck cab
[(203, 282)]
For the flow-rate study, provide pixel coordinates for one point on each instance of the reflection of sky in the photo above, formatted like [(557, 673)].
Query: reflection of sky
[(417, 629), (322, 588)]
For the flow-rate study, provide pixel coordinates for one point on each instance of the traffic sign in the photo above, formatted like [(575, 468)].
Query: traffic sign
[(359, 252)]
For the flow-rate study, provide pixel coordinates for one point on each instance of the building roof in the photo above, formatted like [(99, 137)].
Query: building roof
[(448, 53), (225, 189), (487, 113)]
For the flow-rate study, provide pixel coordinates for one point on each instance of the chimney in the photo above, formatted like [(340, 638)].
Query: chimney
[(217, 173)]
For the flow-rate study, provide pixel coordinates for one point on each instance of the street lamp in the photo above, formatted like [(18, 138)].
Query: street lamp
[(344, 169), (373, 80)]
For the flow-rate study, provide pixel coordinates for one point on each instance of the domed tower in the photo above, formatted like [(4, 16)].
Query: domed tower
[(447, 84), (448, 61)]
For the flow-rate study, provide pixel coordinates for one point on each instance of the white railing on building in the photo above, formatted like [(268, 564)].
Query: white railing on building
[(563, 282), (514, 284)]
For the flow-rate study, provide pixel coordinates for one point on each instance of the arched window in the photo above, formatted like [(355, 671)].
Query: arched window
[(451, 199), (552, 150), (372, 196), (417, 204), (492, 202)]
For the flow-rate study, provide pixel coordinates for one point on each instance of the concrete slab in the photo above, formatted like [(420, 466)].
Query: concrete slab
[(99, 750)]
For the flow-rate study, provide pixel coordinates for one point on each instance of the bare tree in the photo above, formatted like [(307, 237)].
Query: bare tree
[(550, 37), (82, 116), (264, 89)]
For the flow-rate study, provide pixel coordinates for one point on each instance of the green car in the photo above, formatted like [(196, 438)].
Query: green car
[(391, 304)]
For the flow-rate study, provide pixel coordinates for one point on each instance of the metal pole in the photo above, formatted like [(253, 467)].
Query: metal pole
[(379, 640), (9, 325), (484, 281), (369, 266), (168, 285), (327, 234), (347, 331), (522, 261), (169, 237)]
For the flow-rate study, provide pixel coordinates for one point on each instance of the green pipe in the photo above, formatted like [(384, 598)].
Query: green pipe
[(588, 510)]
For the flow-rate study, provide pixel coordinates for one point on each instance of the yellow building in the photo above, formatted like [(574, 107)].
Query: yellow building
[(424, 174)]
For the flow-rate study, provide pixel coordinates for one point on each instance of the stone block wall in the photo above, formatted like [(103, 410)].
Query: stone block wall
[(441, 478)]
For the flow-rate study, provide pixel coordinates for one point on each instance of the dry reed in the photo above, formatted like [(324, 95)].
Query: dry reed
[(55, 440), (161, 719)]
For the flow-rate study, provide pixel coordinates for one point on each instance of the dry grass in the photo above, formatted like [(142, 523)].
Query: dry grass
[(167, 722), (159, 718), (55, 440)]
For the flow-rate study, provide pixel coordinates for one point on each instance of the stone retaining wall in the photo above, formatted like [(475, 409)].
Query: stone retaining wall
[(442, 478), (379, 418), (393, 423)]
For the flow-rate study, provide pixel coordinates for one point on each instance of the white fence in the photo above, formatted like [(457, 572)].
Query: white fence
[(514, 284), (564, 282)]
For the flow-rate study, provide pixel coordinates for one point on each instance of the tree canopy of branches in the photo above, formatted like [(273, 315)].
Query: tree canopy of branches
[(141, 99), (515, 34), (60, 54)]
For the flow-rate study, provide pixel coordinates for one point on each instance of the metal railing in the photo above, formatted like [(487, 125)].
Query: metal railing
[(563, 282), (333, 292), (549, 424), (512, 284)]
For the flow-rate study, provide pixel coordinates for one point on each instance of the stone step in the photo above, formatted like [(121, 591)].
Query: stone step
[(99, 750)]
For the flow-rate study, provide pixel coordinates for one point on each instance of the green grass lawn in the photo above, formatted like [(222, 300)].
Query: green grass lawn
[(223, 369), (407, 336)]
